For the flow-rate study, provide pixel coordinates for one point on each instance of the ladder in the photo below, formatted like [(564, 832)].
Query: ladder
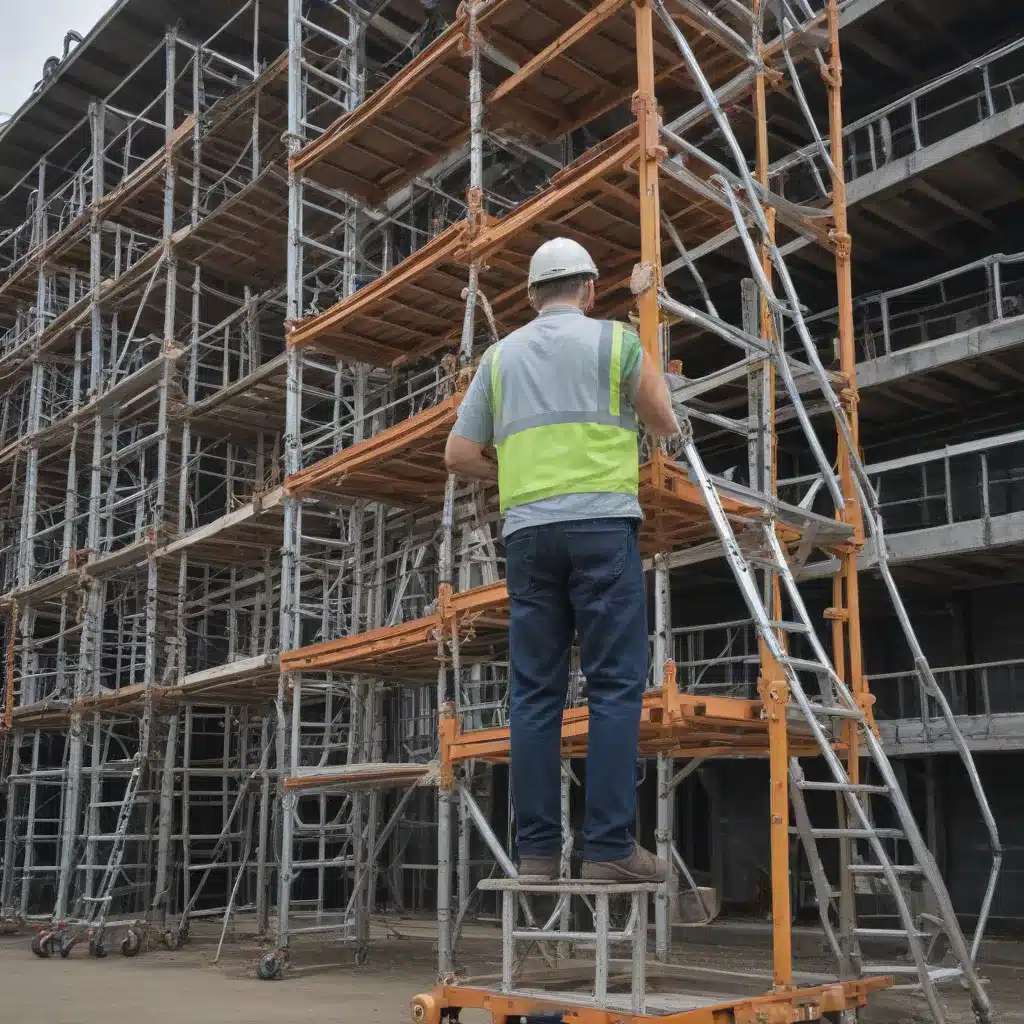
[(823, 701), (98, 906)]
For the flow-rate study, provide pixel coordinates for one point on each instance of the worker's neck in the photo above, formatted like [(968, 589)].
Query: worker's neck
[(559, 307)]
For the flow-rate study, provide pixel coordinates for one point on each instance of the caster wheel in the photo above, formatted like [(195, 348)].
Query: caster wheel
[(172, 940), (65, 947), (362, 955), (425, 1010), (270, 967), (130, 945), (37, 944), (97, 949), (42, 945)]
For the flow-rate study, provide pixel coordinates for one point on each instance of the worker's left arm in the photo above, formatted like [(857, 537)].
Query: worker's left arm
[(474, 430), (646, 389)]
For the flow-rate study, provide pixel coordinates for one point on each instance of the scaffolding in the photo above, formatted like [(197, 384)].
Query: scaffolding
[(141, 598), (256, 636)]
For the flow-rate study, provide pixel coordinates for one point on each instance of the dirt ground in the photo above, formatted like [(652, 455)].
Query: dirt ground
[(170, 988)]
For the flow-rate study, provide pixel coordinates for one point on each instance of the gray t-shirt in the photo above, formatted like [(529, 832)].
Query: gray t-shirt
[(551, 335)]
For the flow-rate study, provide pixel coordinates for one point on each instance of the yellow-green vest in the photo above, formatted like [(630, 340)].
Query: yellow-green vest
[(559, 432)]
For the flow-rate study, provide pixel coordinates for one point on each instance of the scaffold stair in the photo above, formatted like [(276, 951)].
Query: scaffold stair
[(832, 713)]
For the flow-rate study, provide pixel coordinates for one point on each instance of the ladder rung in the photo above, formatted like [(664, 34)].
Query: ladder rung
[(888, 933), (825, 712), (762, 563), (805, 665), (845, 787), (878, 869), (935, 973), (855, 833)]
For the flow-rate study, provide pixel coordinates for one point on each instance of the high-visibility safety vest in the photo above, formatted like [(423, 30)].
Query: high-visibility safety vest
[(563, 427)]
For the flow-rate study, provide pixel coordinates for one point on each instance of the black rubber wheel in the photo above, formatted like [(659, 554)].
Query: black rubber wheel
[(46, 945), (362, 955), (37, 944), (172, 939), (66, 945), (130, 945), (97, 949), (270, 967)]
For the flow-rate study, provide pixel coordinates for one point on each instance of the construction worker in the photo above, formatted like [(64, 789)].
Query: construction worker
[(558, 399)]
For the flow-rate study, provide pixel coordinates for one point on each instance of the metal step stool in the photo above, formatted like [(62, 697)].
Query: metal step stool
[(598, 896)]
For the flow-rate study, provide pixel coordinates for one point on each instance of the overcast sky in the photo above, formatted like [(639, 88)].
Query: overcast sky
[(31, 31)]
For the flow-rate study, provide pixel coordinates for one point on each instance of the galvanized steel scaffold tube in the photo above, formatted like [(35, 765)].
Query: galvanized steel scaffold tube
[(255, 635), (138, 626)]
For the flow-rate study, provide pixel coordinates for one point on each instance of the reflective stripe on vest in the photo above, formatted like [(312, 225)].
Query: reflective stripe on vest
[(550, 452)]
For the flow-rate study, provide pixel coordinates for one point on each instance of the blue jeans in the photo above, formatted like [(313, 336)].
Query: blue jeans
[(583, 576)]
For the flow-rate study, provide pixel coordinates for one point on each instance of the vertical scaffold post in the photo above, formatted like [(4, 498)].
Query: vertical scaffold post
[(648, 279), (450, 626), (446, 786), (845, 610), (776, 697), (565, 860), (165, 822), (10, 785), (288, 625), (474, 193), (664, 664), (772, 686)]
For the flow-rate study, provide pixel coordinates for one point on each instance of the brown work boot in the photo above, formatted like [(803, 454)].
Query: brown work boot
[(539, 869), (640, 866)]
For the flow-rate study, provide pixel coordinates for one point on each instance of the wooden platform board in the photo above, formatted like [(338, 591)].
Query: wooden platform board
[(542, 78)]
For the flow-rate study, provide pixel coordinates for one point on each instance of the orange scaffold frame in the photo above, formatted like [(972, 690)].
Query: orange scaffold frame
[(615, 198)]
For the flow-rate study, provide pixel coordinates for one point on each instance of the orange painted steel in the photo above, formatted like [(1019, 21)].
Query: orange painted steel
[(672, 723), (384, 321), (408, 651), (651, 152), (614, 199), (366, 152), (556, 49), (402, 466), (413, 310), (772, 685), (560, 71), (846, 626), (782, 1007), (675, 516)]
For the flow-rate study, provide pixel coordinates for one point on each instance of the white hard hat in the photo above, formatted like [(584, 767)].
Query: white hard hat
[(558, 258)]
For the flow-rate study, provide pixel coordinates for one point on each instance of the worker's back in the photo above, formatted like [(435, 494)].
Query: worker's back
[(559, 392), (557, 400)]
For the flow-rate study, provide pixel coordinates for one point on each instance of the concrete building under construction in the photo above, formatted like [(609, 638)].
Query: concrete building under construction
[(256, 637)]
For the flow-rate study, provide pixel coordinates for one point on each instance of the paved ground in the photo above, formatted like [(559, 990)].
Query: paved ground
[(183, 988), (171, 988)]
